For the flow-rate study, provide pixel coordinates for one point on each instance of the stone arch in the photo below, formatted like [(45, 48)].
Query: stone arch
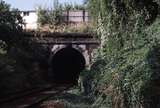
[(81, 48), (67, 63), (56, 48)]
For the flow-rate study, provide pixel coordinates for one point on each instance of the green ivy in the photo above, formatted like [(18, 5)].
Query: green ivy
[(128, 42)]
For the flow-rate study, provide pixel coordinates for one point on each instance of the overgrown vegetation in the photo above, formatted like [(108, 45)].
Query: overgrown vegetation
[(10, 24), (10, 27), (125, 73), (15, 52), (129, 58), (53, 20), (50, 16)]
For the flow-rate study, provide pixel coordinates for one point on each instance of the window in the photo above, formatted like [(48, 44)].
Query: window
[(26, 13)]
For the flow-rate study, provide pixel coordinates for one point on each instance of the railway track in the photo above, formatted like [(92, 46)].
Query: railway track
[(16, 95), (32, 98)]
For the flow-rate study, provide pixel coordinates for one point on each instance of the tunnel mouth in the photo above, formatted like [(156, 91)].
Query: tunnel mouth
[(67, 64)]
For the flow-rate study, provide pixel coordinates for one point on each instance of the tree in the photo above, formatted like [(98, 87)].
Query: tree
[(50, 16), (10, 23), (42, 16)]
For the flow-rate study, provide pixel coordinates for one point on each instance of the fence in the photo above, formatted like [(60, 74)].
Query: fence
[(75, 16)]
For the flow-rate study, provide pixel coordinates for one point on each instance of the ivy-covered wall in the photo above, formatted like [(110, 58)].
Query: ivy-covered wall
[(129, 30)]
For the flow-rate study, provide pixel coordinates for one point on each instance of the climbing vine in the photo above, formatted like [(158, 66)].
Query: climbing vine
[(126, 48)]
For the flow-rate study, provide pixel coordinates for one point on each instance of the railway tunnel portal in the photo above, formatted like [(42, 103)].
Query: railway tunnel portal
[(69, 54), (67, 65)]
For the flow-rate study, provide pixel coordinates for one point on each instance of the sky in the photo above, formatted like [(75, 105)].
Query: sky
[(32, 4)]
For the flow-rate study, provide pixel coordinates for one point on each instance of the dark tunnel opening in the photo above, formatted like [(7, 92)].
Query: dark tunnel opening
[(67, 65)]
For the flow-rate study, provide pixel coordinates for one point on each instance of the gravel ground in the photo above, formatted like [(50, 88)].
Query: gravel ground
[(69, 99)]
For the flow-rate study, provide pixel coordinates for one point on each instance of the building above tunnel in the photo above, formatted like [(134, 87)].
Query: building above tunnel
[(75, 17)]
